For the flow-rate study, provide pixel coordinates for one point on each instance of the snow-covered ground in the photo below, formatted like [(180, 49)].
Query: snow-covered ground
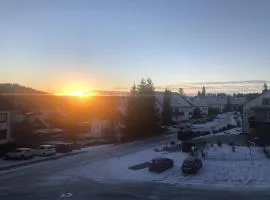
[(219, 122), (222, 168)]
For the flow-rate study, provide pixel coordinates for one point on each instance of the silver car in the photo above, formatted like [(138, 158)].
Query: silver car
[(20, 153)]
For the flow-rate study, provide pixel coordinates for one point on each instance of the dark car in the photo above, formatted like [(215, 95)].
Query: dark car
[(191, 165), (160, 164)]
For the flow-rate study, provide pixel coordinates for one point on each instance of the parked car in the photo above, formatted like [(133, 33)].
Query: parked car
[(62, 147), (191, 165), (20, 153), (160, 164), (44, 150)]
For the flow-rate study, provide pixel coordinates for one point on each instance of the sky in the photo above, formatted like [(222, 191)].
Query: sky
[(64, 45)]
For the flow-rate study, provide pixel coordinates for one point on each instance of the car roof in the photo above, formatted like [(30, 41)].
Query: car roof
[(46, 145), (159, 158), (190, 158), (23, 149)]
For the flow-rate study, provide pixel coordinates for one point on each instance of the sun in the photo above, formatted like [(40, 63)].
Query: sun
[(77, 93), (77, 90)]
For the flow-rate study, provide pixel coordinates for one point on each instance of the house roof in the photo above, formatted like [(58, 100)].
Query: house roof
[(199, 102), (262, 95), (238, 100), (176, 100), (216, 100)]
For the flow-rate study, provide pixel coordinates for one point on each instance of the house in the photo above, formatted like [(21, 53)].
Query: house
[(200, 103), (103, 125), (182, 109), (219, 102), (206, 102), (5, 134), (256, 115), (238, 102)]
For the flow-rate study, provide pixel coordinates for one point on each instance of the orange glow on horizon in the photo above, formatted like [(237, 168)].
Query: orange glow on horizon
[(77, 93), (76, 89)]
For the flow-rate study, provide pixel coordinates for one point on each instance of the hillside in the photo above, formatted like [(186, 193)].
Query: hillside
[(9, 88)]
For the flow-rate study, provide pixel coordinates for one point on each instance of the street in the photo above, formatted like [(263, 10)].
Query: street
[(41, 181)]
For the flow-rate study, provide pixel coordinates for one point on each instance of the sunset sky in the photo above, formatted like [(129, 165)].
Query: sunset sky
[(63, 45)]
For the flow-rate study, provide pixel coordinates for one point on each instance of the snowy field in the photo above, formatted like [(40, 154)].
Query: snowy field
[(222, 168)]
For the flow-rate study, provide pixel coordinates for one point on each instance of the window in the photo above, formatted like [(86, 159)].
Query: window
[(266, 102), (3, 117), (3, 134)]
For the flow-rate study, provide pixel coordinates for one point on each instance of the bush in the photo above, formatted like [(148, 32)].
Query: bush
[(186, 147), (219, 143), (230, 126), (184, 135)]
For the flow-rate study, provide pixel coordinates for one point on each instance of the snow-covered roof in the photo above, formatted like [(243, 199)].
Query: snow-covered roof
[(214, 100), (239, 100), (252, 101), (199, 102), (176, 100)]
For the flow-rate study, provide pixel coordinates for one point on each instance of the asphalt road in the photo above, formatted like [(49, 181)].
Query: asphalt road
[(32, 182)]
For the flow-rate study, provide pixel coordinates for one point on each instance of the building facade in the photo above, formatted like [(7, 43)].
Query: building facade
[(5, 133), (182, 109), (256, 115)]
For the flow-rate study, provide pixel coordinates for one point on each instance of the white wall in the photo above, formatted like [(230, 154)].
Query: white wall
[(186, 116), (98, 127), (204, 110)]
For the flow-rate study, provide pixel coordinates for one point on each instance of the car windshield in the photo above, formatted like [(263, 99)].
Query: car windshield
[(134, 99)]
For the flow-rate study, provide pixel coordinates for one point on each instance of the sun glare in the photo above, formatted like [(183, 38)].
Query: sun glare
[(78, 93), (77, 90)]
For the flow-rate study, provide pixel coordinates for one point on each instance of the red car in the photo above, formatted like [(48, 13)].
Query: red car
[(191, 165), (160, 164)]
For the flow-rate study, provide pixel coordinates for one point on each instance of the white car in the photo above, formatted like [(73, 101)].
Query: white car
[(45, 150), (20, 153)]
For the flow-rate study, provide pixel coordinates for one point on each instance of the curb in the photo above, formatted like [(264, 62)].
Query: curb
[(30, 162)]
